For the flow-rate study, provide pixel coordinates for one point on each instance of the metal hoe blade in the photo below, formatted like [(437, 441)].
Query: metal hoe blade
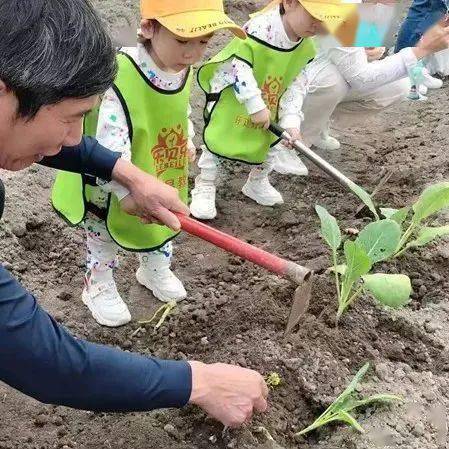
[(300, 305)]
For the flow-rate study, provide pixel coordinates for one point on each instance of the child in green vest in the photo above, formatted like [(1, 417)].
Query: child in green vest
[(255, 81), (144, 116)]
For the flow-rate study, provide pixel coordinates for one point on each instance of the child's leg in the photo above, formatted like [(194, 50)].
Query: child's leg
[(258, 186), (327, 89), (203, 195), (154, 273), (100, 292)]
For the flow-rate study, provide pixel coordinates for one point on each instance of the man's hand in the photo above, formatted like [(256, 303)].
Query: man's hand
[(149, 198), (228, 393), (433, 41), (262, 118)]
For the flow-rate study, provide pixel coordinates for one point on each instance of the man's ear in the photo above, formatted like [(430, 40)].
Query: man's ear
[(3, 88)]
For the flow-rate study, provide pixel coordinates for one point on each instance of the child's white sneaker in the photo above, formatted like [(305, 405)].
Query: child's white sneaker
[(163, 283), (259, 189), (105, 303), (430, 81), (287, 162), (327, 142), (203, 200)]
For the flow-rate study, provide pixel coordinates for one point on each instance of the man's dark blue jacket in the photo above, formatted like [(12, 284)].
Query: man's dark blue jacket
[(41, 359)]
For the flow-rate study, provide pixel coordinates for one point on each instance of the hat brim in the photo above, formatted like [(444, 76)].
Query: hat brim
[(331, 14), (200, 23)]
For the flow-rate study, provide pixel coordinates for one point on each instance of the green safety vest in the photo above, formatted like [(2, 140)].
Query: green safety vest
[(229, 131), (158, 128)]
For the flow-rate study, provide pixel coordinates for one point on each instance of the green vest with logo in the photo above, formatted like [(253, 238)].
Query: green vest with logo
[(158, 128), (229, 131)]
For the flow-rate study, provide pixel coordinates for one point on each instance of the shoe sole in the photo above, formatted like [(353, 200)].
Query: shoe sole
[(156, 292), (287, 172), (196, 214), (246, 191), (100, 320)]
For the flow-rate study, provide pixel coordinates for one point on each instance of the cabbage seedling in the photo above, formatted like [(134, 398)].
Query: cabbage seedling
[(351, 267), (341, 410), (416, 234)]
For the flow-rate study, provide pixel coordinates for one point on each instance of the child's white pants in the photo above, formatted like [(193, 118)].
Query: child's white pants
[(102, 250), (329, 90), (209, 165)]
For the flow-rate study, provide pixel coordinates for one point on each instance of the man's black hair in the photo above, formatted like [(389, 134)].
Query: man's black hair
[(51, 50)]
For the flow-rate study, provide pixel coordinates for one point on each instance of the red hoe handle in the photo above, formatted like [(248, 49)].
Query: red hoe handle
[(244, 250)]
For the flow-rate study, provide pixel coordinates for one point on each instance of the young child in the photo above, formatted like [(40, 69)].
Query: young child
[(144, 116), (253, 82)]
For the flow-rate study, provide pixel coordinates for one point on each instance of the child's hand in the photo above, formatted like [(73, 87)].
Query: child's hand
[(191, 153), (295, 134), (262, 118)]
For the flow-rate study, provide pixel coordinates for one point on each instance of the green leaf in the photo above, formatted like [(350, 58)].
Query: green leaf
[(388, 212), (357, 261), (377, 398), (428, 234), (336, 406), (432, 200), (365, 197), (330, 230), (401, 215), (392, 290), (380, 239), (349, 419), (397, 215)]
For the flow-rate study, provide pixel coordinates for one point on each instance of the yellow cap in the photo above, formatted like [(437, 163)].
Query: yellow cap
[(190, 18), (332, 13)]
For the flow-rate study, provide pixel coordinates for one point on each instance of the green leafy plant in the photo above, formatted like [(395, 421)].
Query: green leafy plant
[(343, 407), (273, 380), (413, 219), (375, 243)]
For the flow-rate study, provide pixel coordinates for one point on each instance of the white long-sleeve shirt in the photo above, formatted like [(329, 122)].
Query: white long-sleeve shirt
[(352, 63), (358, 72), (269, 28), (112, 127)]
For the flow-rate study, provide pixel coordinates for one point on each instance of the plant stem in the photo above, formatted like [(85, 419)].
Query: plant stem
[(337, 280), (405, 238), (354, 296)]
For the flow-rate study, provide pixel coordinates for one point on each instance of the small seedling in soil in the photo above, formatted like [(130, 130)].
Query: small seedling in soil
[(375, 243), (434, 199), (341, 410), (273, 380), (160, 315)]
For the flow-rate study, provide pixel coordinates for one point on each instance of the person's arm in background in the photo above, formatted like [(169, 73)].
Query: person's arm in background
[(360, 74), (353, 65)]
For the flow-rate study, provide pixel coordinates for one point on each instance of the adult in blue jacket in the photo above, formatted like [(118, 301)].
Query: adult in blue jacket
[(55, 61), (422, 15)]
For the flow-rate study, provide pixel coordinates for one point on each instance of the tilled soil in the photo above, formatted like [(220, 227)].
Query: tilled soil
[(237, 312)]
